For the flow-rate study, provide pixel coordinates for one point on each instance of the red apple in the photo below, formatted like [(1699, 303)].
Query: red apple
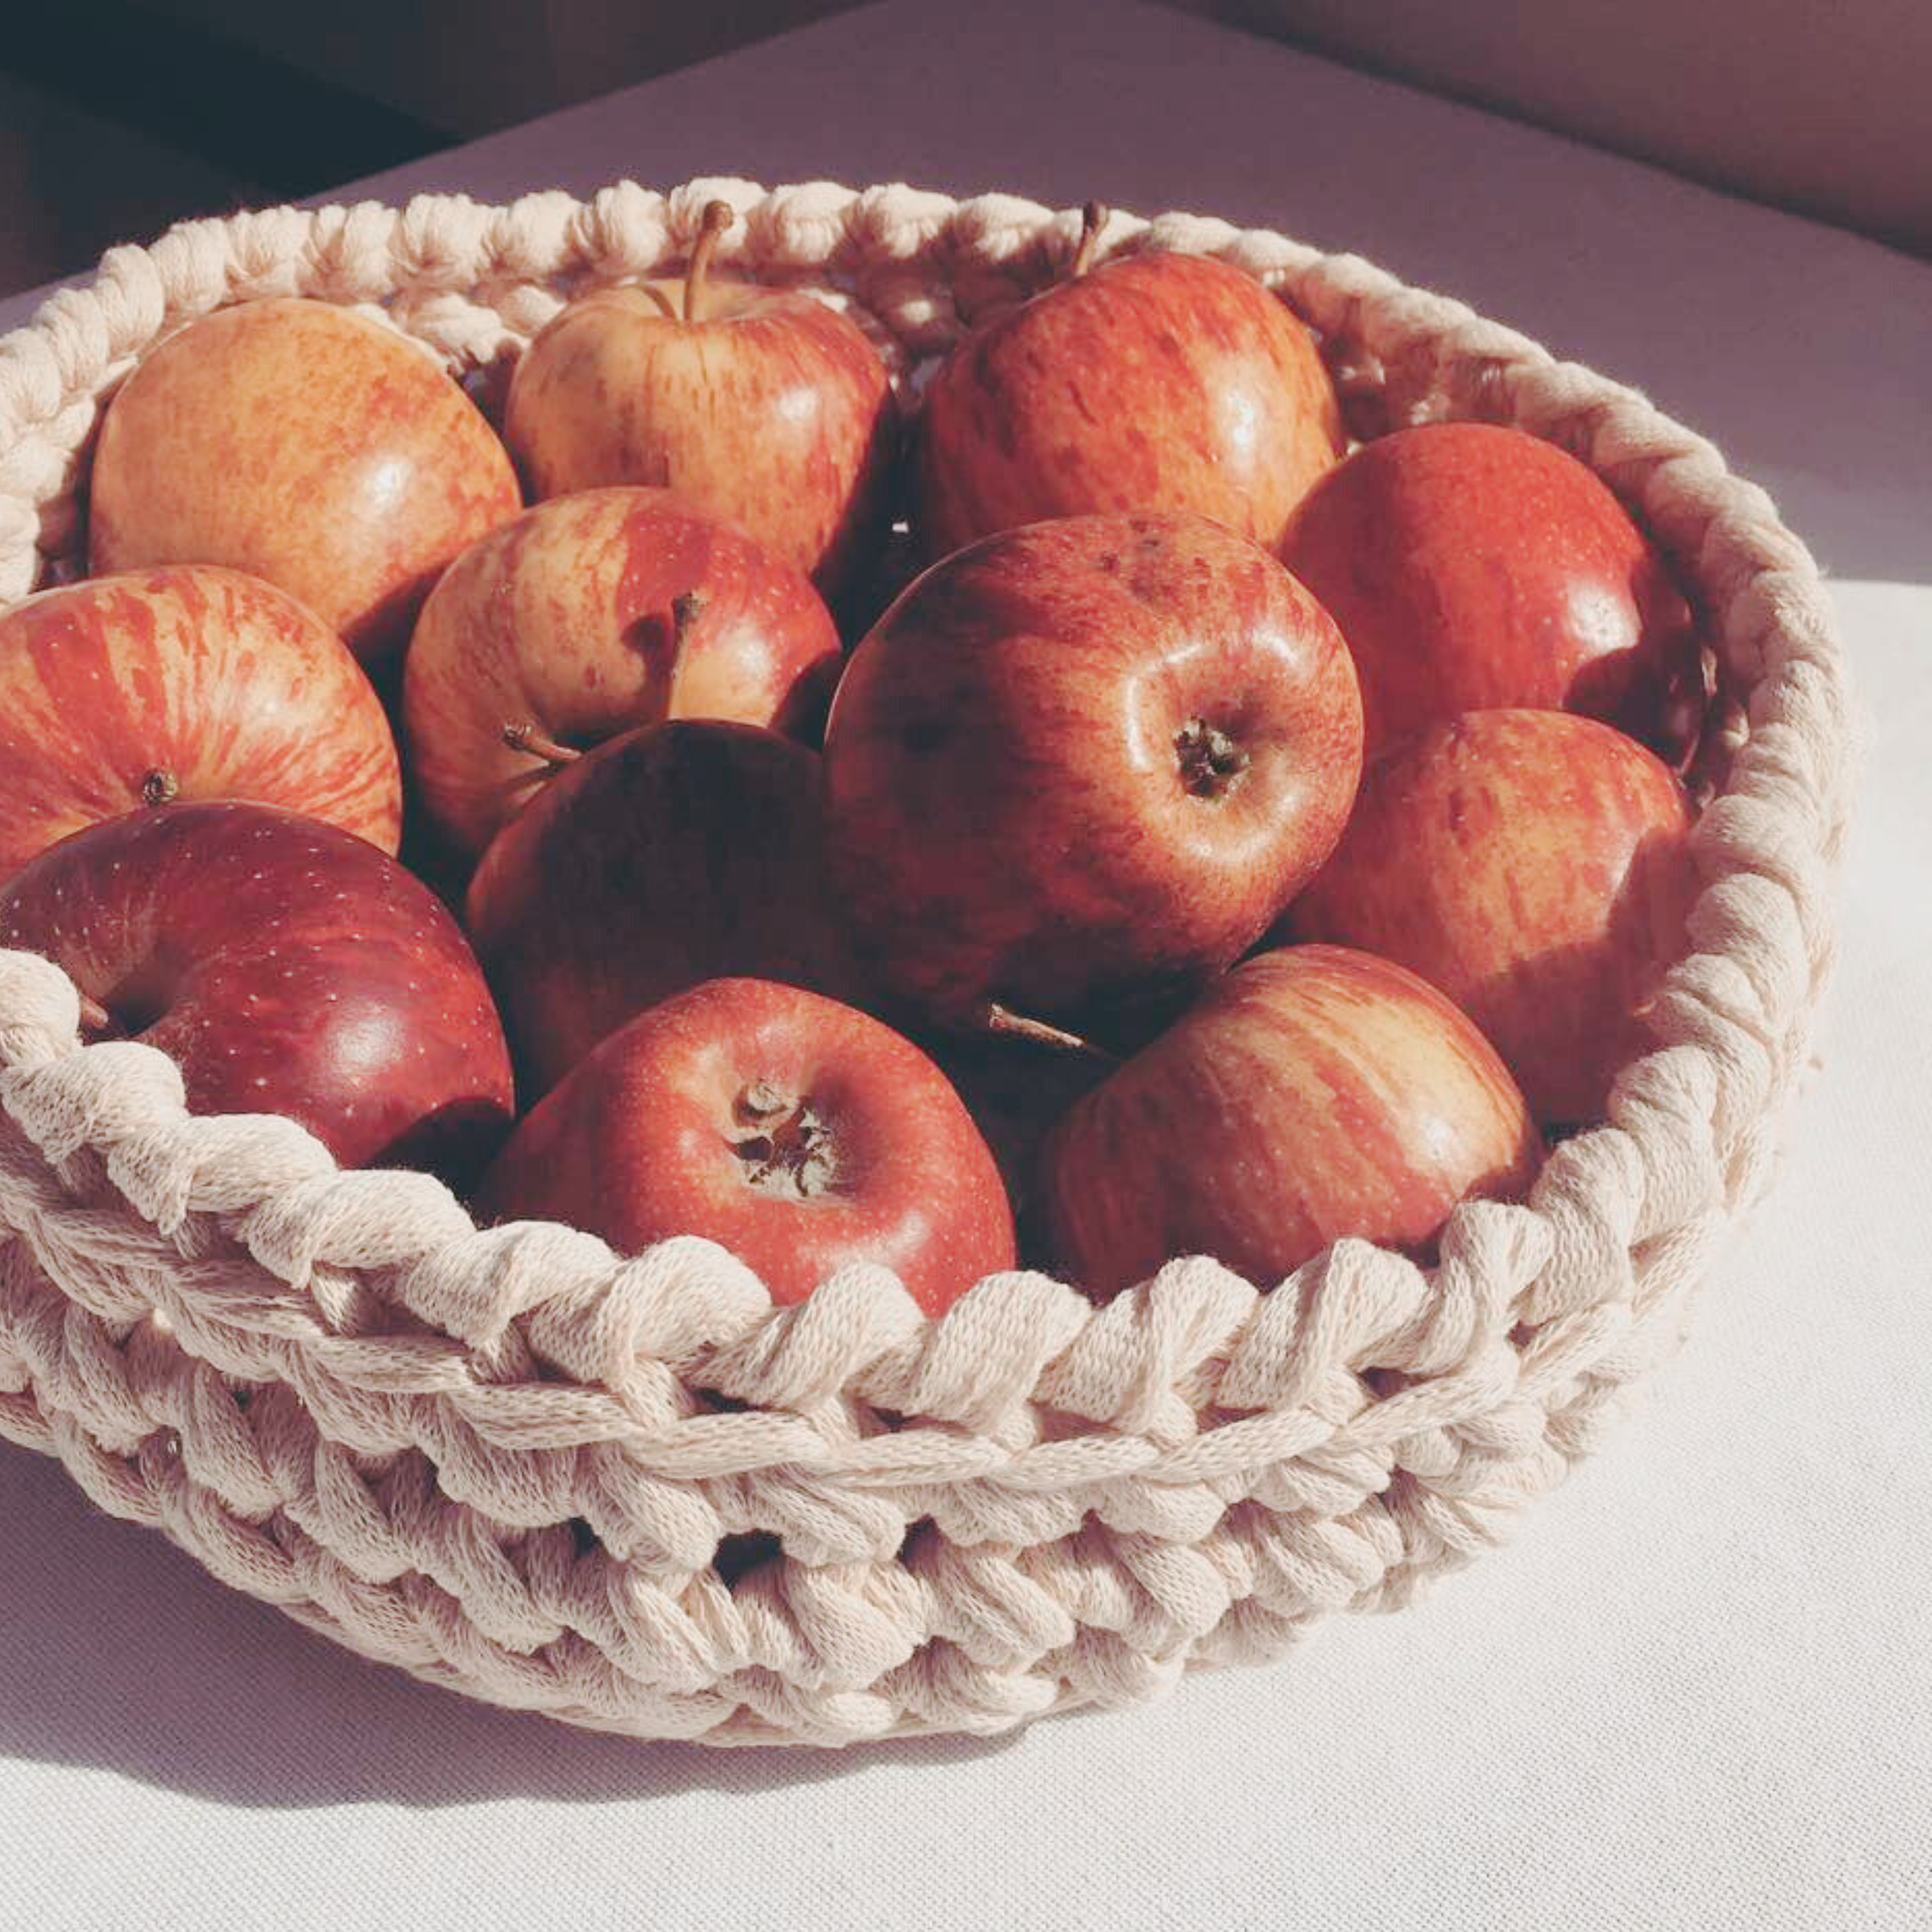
[(800, 1133), (1313, 1093), (1535, 866), (308, 444), (1077, 769), (1471, 566), (288, 966), (191, 682), (763, 405), (586, 616), (1161, 381), (682, 852)]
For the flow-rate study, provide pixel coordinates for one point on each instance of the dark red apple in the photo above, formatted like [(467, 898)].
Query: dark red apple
[(309, 445), (1535, 866), (588, 616), (189, 681), (1314, 1092), (1471, 566), (1077, 769), (288, 966), (1160, 381), (684, 851), (763, 405), (800, 1133)]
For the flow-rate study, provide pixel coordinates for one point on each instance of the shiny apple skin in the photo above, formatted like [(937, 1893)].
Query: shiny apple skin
[(1007, 818), (288, 966), (640, 1143), (305, 444), (768, 408), (189, 682), (1159, 381), (682, 852), (1534, 865), (1314, 1092), (563, 618), (1474, 566)]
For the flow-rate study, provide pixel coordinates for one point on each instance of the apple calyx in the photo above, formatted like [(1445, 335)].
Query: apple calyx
[(1093, 219), (527, 736), (787, 1149), (1210, 762), (160, 787), (717, 218)]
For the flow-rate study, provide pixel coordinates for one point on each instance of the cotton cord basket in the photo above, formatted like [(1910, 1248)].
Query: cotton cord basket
[(505, 1459)]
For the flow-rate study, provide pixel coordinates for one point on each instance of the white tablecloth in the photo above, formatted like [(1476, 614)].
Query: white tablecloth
[(1697, 1692)]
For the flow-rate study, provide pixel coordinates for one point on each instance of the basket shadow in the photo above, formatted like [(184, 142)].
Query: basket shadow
[(118, 1652)]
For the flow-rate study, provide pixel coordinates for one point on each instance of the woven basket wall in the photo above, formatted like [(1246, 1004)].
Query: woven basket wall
[(505, 1459)]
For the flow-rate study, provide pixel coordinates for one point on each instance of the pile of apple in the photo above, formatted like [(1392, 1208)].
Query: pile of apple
[(1227, 842)]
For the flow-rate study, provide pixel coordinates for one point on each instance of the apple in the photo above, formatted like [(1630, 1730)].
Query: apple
[(189, 682), (1078, 768), (1536, 867), (308, 444), (288, 966), (801, 1133), (680, 852), (763, 405), (1472, 566), (1314, 1092), (1160, 381), (589, 615)]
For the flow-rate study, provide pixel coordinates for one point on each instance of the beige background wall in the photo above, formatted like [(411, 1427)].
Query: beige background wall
[(1822, 106)]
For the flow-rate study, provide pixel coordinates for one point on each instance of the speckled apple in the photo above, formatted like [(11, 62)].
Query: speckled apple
[(800, 1133), (764, 405), (1160, 381), (1534, 865), (120, 693), (681, 852), (1473, 566), (587, 616), (288, 966), (1078, 768), (307, 444), (1314, 1092)]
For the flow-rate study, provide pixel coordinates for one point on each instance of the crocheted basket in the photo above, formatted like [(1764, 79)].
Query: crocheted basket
[(505, 1459)]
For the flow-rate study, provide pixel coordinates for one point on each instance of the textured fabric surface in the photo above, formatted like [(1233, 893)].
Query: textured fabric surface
[(1694, 1697)]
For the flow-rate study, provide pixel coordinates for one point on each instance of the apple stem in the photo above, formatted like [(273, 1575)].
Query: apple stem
[(95, 1018), (159, 786), (686, 609), (718, 216), (526, 737), (1004, 1023), (1093, 219)]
